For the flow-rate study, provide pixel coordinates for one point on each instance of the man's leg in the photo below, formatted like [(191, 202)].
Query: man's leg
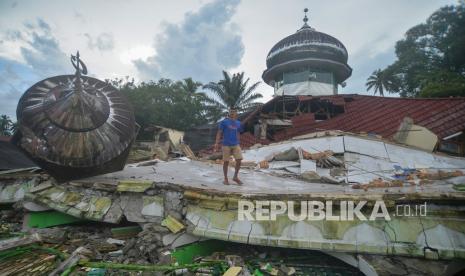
[(226, 156), (238, 157), (236, 172), (225, 172)]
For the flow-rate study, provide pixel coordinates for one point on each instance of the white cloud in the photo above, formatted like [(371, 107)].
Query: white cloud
[(139, 52), (103, 42), (369, 29), (201, 46)]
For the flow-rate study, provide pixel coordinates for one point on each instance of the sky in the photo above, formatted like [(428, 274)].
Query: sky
[(147, 39)]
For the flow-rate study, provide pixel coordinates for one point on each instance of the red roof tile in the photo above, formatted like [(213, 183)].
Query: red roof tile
[(383, 115)]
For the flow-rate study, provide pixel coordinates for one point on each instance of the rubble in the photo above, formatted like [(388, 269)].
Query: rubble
[(71, 261), (287, 155), (157, 207), (173, 224), (165, 143), (378, 183)]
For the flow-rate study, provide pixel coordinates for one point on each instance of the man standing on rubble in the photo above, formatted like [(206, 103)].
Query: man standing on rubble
[(230, 129)]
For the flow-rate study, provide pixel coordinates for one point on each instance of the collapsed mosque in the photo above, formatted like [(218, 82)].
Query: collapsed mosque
[(308, 144), (306, 68)]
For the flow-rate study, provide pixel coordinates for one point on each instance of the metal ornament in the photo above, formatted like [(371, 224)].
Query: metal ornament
[(75, 126)]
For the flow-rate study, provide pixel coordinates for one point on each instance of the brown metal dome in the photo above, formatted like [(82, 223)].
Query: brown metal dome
[(75, 126)]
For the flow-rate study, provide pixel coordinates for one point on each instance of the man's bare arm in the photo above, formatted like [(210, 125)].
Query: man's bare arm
[(218, 139)]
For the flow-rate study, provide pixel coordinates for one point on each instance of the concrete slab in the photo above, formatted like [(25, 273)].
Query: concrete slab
[(209, 177), (365, 146)]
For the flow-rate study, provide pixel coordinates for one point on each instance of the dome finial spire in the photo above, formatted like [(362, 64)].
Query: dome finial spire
[(305, 26), (305, 17)]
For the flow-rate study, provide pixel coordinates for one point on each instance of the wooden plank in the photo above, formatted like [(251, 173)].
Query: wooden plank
[(71, 261), (187, 151), (19, 241), (233, 271)]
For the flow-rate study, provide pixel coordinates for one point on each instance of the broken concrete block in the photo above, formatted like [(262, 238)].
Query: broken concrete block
[(269, 269), (173, 224), (132, 208), (115, 241), (42, 186), (52, 235), (169, 238), (310, 176), (294, 170), (8, 193), (307, 165), (331, 180), (152, 206), (184, 239), (99, 206), (136, 186), (337, 172), (287, 270), (115, 213), (19, 194), (173, 198), (154, 227), (19, 241), (277, 165), (288, 155), (164, 257), (34, 207), (116, 253)]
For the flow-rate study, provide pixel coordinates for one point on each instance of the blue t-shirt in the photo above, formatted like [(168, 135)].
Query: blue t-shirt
[(230, 129)]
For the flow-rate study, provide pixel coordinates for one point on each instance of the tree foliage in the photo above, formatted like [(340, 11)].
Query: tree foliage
[(431, 58), (380, 81), (166, 103), (190, 86), (233, 92), (7, 126)]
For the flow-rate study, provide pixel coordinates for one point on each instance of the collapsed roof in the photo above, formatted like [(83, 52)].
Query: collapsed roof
[(382, 116)]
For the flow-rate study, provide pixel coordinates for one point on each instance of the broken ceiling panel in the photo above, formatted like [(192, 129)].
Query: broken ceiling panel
[(364, 168), (416, 159), (335, 144), (365, 146)]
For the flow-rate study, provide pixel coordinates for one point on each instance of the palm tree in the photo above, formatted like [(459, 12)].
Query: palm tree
[(5, 125), (190, 86), (233, 92), (210, 110), (380, 81)]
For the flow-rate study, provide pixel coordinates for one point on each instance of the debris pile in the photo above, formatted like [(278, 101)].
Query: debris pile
[(237, 259), (163, 143), (347, 159), (144, 217), (378, 183), (73, 250)]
